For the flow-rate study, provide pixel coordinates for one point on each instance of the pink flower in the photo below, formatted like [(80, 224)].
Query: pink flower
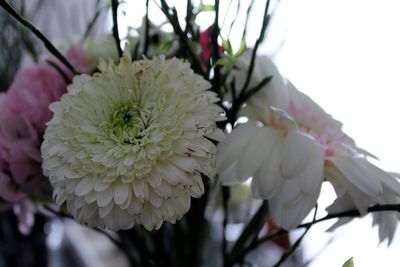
[(76, 56), (24, 162), (33, 89), (206, 46)]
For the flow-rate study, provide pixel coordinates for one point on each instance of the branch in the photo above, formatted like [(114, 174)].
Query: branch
[(58, 213), (173, 19), (248, 235), (250, 7), (26, 23), (237, 102), (225, 200), (349, 213), (93, 21), (258, 42), (216, 81), (296, 244), (189, 15), (354, 213), (146, 29), (114, 8)]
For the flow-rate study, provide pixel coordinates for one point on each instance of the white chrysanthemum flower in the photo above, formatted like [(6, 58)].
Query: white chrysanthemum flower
[(295, 145), (128, 145)]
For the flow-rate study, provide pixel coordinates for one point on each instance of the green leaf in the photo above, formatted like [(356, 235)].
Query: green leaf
[(206, 8), (223, 61), (227, 62), (349, 263), (228, 47), (165, 45), (242, 48)]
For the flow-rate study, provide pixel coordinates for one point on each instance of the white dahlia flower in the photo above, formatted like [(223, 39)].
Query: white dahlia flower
[(128, 145), (294, 146)]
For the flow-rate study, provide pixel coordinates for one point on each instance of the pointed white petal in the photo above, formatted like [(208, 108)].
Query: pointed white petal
[(357, 174)]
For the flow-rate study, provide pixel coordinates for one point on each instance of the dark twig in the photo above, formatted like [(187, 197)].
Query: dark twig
[(255, 89), (26, 23), (234, 20), (254, 52), (216, 81), (172, 17), (146, 29), (225, 199), (354, 213), (114, 8), (250, 7), (65, 77), (237, 102), (189, 15), (249, 233), (348, 213), (296, 244), (58, 213), (93, 21)]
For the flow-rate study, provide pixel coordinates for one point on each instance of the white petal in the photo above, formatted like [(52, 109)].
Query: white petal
[(105, 197), (172, 174), (312, 175), (268, 180), (254, 154), (295, 153), (85, 186), (228, 175), (356, 173), (228, 150), (185, 163), (104, 211), (121, 192), (361, 200)]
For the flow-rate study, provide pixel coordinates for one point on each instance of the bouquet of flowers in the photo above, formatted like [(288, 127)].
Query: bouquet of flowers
[(162, 137)]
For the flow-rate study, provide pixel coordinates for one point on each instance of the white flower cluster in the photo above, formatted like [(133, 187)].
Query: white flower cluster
[(129, 144), (290, 146)]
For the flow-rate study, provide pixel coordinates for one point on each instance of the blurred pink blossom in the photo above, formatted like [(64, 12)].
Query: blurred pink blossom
[(33, 89)]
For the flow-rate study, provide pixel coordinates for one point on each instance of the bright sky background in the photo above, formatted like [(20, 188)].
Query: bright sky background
[(345, 54)]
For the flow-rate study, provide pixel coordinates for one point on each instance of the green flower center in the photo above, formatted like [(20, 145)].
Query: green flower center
[(126, 123)]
